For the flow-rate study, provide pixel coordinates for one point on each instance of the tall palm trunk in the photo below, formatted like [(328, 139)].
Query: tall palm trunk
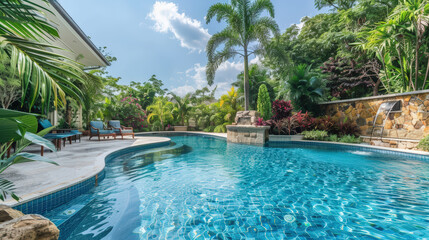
[(426, 75), (246, 81), (416, 68)]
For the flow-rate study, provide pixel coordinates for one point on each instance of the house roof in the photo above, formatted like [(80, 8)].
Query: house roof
[(76, 44)]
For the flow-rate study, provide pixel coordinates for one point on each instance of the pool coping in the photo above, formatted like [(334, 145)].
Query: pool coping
[(45, 198)]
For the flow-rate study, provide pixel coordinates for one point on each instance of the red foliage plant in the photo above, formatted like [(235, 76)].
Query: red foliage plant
[(261, 122), (291, 125), (281, 109), (336, 126)]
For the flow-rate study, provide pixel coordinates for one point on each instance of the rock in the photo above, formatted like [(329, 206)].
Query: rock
[(388, 124), (402, 133), (361, 121), (416, 134), (418, 125), (247, 117), (348, 110), (379, 120), (402, 145), (410, 145), (7, 213), (29, 227), (400, 120), (406, 111)]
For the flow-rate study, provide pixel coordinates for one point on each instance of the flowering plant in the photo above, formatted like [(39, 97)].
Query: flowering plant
[(131, 113)]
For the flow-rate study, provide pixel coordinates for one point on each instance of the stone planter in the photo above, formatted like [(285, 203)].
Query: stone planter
[(247, 134), (180, 128), (286, 138)]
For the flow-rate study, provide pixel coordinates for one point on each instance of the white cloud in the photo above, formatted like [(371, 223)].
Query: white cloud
[(226, 74), (188, 31), (183, 90)]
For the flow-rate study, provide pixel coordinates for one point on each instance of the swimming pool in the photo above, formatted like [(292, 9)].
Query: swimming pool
[(202, 187)]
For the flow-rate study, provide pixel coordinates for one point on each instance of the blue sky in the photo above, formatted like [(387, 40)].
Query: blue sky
[(165, 38)]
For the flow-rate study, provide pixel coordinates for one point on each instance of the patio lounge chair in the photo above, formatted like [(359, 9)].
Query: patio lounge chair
[(61, 135), (121, 130), (97, 129), (45, 123)]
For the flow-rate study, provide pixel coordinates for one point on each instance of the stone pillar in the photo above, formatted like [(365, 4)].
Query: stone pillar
[(247, 134)]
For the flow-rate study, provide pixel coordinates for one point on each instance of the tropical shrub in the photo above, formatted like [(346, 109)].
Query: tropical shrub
[(19, 128), (332, 138), (326, 123), (182, 108), (315, 135), (281, 109), (349, 139), (305, 89), (424, 144), (346, 79), (292, 125), (261, 122), (131, 113), (348, 127), (257, 76), (160, 113), (10, 84), (336, 126), (264, 102)]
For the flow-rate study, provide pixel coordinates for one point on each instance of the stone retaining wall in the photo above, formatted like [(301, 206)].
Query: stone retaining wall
[(412, 122)]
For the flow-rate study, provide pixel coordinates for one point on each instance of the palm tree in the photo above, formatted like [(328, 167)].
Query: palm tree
[(245, 27), (160, 111), (257, 76), (414, 13), (24, 32), (182, 106)]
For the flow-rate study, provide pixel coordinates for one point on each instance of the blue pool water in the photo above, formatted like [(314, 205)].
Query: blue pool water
[(204, 188)]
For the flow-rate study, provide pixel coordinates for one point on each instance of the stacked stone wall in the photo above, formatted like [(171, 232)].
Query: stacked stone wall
[(411, 122)]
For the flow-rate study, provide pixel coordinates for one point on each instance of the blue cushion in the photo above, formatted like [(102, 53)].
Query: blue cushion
[(115, 123), (96, 124), (106, 131), (45, 123), (57, 135), (76, 132)]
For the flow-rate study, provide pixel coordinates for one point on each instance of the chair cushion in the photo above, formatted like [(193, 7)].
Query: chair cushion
[(106, 131), (96, 124), (115, 123), (45, 123), (76, 132), (57, 135)]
